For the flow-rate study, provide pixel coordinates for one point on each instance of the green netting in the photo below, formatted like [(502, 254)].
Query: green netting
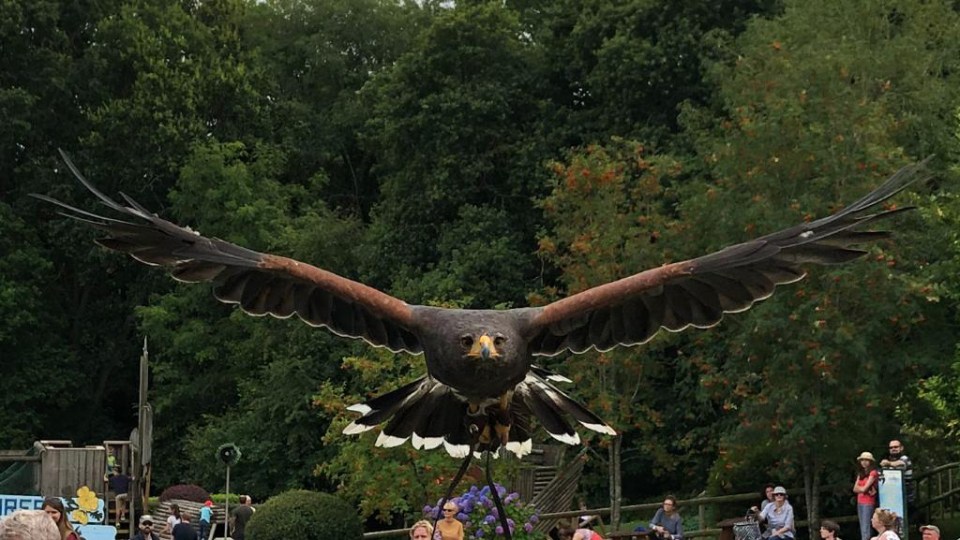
[(17, 478)]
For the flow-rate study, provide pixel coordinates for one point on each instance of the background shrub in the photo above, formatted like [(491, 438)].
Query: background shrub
[(186, 492), (305, 515), (220, 498)]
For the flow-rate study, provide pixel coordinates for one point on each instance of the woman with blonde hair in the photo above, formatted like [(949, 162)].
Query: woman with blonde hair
[(421, 530), (28, 525), (53, 506), (885, 522), (450, 528)]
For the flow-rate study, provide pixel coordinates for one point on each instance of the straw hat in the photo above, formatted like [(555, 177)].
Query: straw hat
[(866, 455)]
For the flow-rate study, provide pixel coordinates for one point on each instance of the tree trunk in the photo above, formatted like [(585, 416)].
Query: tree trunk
[(616, 487), (811, 488)]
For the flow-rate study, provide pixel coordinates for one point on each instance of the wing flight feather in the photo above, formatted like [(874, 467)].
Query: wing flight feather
[(260, 283), (697, 292)]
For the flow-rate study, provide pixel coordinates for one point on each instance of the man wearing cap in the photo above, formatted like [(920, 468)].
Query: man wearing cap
[(146, 529), (206, 516), (930, 532)]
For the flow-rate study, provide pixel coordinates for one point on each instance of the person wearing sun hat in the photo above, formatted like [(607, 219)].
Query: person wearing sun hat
[(779, 516), (865, 486)]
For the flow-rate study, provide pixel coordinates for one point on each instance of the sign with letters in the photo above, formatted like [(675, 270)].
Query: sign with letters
[(85, 512), (11, 503)]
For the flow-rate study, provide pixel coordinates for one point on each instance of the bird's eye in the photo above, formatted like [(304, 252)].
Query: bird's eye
[(499, 341), (466, 342)]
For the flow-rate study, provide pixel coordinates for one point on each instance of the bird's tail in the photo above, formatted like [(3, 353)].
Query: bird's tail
[(426, 412), (431, 414), (552, 407)]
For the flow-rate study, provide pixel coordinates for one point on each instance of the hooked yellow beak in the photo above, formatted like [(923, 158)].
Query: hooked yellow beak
[(484, 348)]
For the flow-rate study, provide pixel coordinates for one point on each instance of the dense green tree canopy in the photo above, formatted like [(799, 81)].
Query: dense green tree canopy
[(479, 154)]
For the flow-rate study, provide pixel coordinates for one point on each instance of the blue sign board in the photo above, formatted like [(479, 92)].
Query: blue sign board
[(891, 492), (88, 511), (96, 532), (11, 503)]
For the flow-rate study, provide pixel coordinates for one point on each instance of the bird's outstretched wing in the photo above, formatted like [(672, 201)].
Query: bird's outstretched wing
[(259, 283), (699, 291)]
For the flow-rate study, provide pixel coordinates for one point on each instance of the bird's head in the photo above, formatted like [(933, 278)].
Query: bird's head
[(479, 353), (483, 346)]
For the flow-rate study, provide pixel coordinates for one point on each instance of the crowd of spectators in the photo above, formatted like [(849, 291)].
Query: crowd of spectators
[(875, 523)]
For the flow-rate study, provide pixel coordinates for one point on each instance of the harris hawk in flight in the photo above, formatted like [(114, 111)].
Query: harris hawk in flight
[(482, 387)]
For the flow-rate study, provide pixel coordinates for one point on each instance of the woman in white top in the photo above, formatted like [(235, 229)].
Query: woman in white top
[(885, 522), (173, 520)]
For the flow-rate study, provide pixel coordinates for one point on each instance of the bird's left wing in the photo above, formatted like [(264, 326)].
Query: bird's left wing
[(259, 283), (697, 292)]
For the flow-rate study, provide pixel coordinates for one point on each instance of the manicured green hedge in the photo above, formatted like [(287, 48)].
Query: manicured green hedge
[(220, 498), (305, 515)]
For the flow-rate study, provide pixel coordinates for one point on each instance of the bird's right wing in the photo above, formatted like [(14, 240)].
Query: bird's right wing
[(697, 292), (260, 283)]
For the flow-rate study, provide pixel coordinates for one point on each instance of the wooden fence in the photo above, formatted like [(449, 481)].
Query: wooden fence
[(938, 496), (938, 491)]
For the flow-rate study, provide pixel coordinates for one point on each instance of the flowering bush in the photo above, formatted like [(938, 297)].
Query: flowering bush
[(481, 520)]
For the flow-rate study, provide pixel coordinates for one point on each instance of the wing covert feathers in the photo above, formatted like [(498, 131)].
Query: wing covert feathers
[(698, 292)]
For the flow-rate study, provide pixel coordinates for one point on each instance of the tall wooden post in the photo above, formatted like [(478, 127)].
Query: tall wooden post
[(226, 506), (137, 465)]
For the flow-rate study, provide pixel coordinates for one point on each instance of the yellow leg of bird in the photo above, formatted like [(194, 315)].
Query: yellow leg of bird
[(485, 435), (502, 424), (503, 433)]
